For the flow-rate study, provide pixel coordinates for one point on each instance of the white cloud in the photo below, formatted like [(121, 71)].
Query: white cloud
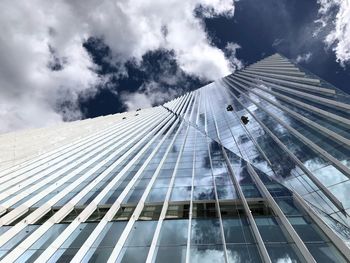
[(40, 35), (304, 58), (29, 89), (335, 17), (208, 255), (137, 100), (149, 94), (231, 49)]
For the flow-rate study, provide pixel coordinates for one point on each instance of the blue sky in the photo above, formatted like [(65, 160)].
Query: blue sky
[(81, 59), (260, 28)]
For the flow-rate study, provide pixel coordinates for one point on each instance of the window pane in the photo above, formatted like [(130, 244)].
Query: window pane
[(287, 206), (75, 241), (157, 194), (237, 231), (141, 234), (203, 193), (133, 255), (38, 247), (243, 253), (175, 254), (23, 234), (204, 254), (173, 232), (181, 193), (269, 230), (282, 253), (101, 254), (110, 234), (325, 253), (205, 231), (105, 242), (306, 230), (250, 191)]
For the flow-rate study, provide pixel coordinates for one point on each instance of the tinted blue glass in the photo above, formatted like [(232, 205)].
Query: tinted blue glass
[(69, 248), (63, 255), (282, 253), (246, 253), (288, 206), (110, 234), (133, 196), (141, 234), (226, 192), (325, 253), (17, 239), (133, 255), (157, 194), (205, 231), (181, 193), (277, 190), (105, 242), (250, 191), (237, 231), (183, 181), (173, 232), (39, 246), (100, 254), (173, 254), (200, 254), (269, 229), (307, 231), (341, 191), (204, 193)]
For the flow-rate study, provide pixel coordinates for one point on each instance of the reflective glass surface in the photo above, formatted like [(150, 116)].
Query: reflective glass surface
[(264, 146)]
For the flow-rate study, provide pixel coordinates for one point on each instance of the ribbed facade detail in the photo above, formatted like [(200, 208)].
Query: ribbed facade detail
[(253, 167)]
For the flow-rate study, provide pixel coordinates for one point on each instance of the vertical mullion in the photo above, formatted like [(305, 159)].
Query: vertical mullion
[(214, 183), (35, 215), (120, 243), (14, 176), (8, 218), (293, 234), (188, 248), (308, 173), (151, 254), (116, 205), (27, 166), (92, 206), (257, 236), (74, 162)]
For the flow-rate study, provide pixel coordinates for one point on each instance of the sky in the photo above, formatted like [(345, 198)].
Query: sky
[(67, 60)]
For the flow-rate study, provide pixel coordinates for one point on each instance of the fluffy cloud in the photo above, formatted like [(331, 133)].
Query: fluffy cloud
[(304, 58), (335, 17), (149, 94), (231, 50), (40, 67), (44, 66), (158, 89)]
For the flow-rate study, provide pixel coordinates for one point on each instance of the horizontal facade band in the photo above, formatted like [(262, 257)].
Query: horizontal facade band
[(304, 95), (277, 71), (288, 77), (312, 108), (303, 119), (290, 83), (341, 167), (331, 197), (288, 69)]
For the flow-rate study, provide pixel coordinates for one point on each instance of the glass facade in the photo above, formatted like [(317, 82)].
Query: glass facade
[(253, 167)]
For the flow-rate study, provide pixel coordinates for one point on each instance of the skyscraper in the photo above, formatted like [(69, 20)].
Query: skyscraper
[(253, 167)]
